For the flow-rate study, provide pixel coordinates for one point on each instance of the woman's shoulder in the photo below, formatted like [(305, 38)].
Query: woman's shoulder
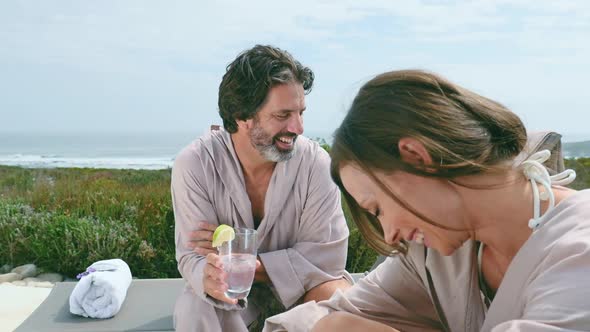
[(562, 243), (570, 218)]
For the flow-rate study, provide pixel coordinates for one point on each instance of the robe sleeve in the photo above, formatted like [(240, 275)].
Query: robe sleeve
[(319, 254), (392, 294), (191, 205), (558, 297)]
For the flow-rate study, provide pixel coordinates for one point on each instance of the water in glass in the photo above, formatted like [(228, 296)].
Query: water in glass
[(240, 274), (238, 257)]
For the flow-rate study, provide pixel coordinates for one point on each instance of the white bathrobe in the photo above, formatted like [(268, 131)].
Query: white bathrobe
[(302, 238), (546, 287)]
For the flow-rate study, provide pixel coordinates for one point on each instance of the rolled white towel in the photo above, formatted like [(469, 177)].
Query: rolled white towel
[(101, 289)]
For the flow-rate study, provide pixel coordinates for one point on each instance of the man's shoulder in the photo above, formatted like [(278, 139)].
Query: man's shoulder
[(191, 152), (314, 154), (200, 152), (311, 160), (188, 161), (310, 149), (203, 146)]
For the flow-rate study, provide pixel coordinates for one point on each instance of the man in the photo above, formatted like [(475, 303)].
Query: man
[(257, 172)]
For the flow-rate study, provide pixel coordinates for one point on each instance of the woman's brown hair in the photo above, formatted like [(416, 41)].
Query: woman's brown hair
[(463, 132)]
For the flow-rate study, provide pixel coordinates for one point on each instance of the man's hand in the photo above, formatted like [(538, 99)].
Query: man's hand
[(260, 274), (214, 279), (200, 241)]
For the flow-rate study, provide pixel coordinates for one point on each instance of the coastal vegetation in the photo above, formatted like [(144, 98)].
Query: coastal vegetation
[(65, 219)]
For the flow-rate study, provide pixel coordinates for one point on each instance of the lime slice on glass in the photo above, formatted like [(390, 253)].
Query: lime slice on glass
[(223, 233)]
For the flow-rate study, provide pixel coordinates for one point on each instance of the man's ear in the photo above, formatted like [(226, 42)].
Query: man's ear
[(244, 124), (413, 152)]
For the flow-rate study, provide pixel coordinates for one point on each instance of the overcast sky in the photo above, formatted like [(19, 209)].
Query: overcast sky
[(141, 66)]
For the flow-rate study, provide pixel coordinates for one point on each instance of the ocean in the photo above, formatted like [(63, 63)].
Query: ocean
[(95, 150), (122, 151), (92, 150)]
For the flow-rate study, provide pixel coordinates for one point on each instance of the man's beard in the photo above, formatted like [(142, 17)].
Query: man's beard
[(265, 144)]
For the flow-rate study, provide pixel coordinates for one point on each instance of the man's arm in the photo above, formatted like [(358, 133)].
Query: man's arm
[(319, 255), (191, 205), (320, 292)]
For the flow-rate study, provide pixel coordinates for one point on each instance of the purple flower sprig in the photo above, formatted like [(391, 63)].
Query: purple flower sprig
[(85, 273)]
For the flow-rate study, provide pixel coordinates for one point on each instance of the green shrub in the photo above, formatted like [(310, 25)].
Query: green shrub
[(140, 198), (132, 204), (66, 244), (64, 219), (582, 167)]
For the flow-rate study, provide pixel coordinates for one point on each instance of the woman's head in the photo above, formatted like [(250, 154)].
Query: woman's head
[(416, 123)]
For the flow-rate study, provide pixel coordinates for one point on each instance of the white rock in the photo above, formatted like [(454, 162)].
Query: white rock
[(27, 270), (41, 284), (28, 280), (10, 277), (51, 277), (19, 283), (5, 268)]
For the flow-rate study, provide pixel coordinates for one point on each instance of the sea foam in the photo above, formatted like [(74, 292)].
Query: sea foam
[(55, 161)]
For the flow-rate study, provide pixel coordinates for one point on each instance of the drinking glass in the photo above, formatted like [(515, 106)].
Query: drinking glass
[(239, 262)]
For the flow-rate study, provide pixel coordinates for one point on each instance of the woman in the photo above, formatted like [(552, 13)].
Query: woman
[(479, 244)]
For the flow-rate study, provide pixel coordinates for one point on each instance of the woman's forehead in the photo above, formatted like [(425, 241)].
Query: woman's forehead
[(351, 172), (356, 181)]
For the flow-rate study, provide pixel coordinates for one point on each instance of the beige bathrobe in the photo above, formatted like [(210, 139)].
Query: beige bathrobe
[(302, 239), (546, 287)]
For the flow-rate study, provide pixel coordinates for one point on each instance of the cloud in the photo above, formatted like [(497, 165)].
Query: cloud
[(106, 32), (174, 53)]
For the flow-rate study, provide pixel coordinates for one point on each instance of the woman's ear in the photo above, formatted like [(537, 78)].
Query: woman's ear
[(413, 152)]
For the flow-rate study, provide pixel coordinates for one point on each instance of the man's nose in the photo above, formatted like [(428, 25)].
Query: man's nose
[(296, 124)]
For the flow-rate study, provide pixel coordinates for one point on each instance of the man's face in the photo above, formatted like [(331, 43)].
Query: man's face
[(279, 121)]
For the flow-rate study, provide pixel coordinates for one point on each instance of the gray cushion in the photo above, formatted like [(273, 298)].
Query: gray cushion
[(148, 306)]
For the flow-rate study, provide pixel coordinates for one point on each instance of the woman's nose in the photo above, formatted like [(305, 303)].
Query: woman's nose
[(390, 234)]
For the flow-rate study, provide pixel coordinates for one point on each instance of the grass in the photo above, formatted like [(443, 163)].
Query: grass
[(64, 219), (92, 209)]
